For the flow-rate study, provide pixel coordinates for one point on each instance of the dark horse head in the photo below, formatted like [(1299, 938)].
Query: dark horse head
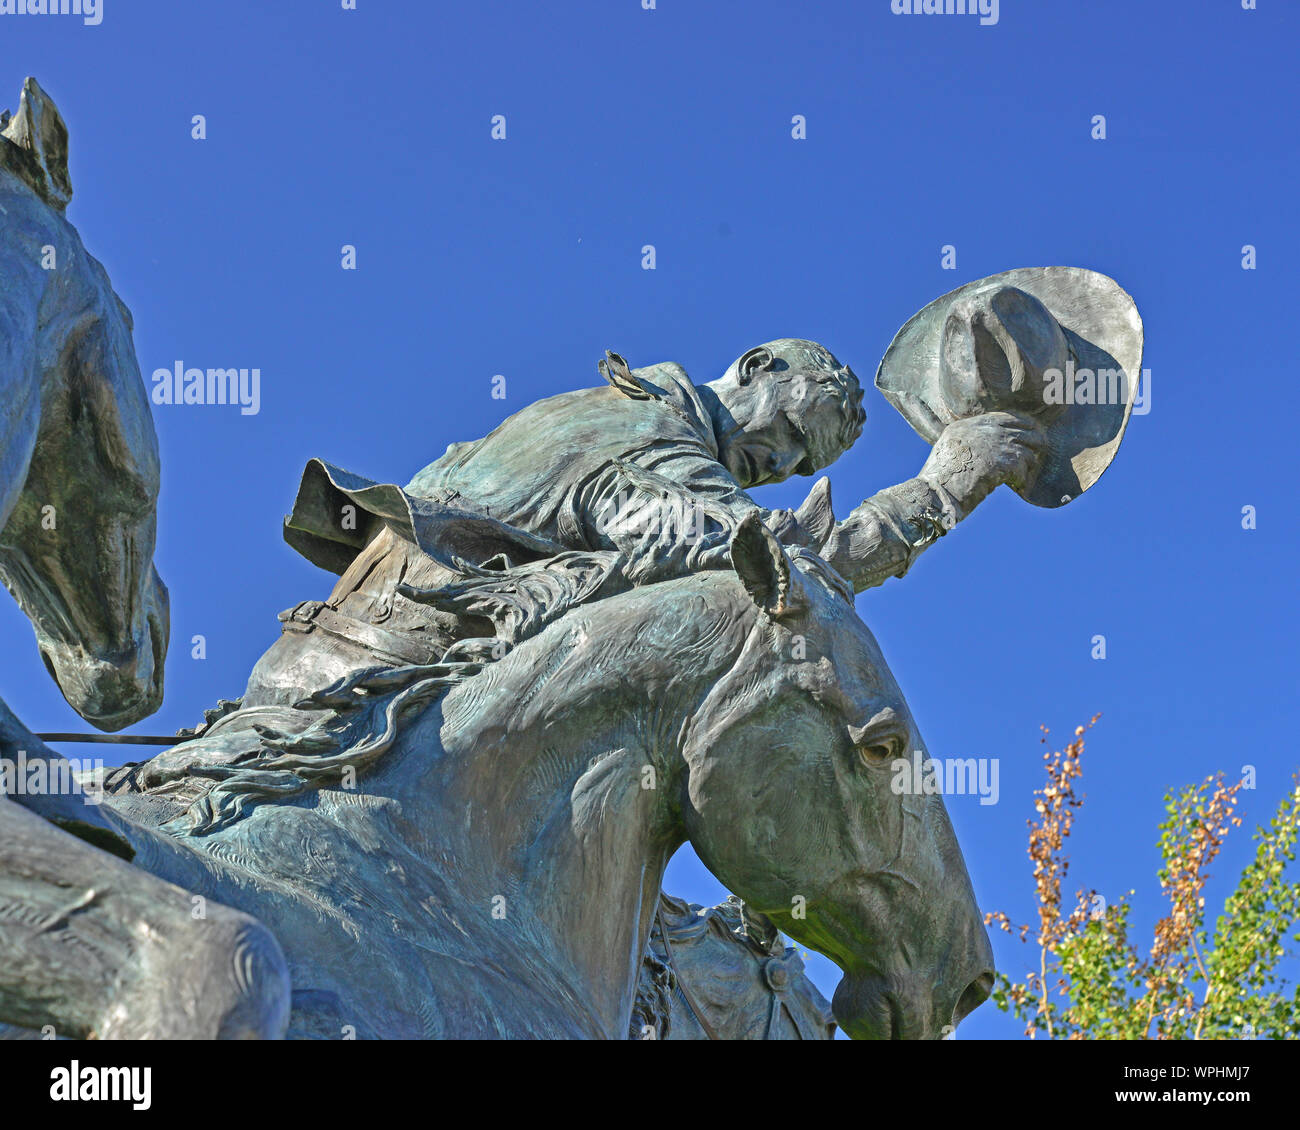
[(78, 451)]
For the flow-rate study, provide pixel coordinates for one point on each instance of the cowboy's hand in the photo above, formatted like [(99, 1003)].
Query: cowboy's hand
[(669, 537), (973, 456)]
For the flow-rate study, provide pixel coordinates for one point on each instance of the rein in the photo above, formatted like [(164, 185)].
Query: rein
[(112, 739)]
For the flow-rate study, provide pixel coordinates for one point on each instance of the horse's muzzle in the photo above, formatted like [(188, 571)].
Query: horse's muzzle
[(877, 1008), (114, 687)]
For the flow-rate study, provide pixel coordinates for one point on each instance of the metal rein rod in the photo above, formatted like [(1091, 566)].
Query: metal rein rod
[(112, 739)]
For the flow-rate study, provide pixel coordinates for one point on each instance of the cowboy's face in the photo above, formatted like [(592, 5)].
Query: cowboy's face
[(772, 411), (764, 445)]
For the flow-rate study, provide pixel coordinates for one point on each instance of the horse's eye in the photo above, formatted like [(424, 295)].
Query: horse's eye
[(882, 740), (878, 753)]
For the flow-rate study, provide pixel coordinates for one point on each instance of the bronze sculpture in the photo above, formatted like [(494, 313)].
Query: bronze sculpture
[(449, 790)]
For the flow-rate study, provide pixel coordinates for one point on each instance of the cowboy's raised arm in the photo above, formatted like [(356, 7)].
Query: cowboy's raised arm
[(992, 361), (883, 536)]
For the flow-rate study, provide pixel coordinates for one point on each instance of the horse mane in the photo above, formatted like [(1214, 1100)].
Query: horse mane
[(361, 716)]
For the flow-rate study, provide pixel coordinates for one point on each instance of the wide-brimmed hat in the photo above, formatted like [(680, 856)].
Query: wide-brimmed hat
[(1061, 344)]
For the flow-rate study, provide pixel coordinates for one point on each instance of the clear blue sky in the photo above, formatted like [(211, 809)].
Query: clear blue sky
[(672, 127)]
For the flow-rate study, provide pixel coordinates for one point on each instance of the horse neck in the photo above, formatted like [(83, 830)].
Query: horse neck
[(573, 801), (44, 300), (29, 230), (24, 230)]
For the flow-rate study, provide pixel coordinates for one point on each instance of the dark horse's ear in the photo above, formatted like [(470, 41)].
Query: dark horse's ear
[(765, 570), (35, 148)]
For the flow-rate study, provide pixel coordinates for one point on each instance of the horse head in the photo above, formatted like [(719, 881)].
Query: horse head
[(789, 801), (78, 519), (752, 713)]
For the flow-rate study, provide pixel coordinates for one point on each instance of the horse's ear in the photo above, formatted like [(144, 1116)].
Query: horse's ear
[(765, 570), (38, 146), (817, 515)]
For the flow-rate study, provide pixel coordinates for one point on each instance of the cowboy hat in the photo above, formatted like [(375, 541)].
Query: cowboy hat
[(1061, 344)]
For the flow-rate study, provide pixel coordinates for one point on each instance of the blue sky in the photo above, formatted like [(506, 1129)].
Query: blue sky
[(672, 127)]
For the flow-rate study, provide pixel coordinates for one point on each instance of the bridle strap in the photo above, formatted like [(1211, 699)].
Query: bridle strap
[(681, 988), (773, 1016)]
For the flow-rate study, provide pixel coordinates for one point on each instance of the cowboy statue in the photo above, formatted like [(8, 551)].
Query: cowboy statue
[(522, 554), (655, 471), (970, 372)]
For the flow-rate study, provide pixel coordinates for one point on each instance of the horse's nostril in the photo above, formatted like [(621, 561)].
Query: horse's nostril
[(975, 994)]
